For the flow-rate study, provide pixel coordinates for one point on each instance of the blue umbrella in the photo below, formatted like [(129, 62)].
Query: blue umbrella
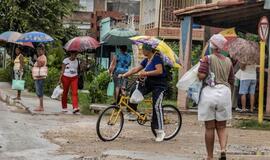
[(35, 37)]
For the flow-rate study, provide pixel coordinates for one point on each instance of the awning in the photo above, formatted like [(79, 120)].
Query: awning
[(242, 14)]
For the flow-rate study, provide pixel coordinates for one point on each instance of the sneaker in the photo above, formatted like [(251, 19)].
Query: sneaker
[(244, 111), (76, 111), (238, 109), (130, 117), (160, 135), (64, 110)]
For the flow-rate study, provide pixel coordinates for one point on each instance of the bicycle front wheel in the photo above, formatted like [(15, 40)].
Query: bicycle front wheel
[(110, 123), (172, 121)]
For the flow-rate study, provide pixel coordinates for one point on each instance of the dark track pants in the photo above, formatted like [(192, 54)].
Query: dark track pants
[(157, 86)]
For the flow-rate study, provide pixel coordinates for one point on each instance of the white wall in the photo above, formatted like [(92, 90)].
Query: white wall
[(88, 5), (148, 11)]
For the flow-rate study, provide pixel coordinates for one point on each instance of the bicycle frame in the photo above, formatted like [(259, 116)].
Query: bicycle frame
[(124, 100)]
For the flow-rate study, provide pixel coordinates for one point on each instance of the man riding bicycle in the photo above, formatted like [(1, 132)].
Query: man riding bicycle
[(152, 70)]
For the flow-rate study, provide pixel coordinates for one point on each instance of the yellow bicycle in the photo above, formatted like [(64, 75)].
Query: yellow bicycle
[(111, 120)]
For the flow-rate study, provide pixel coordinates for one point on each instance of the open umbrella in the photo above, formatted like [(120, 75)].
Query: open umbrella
[(230, 36), (246, 52), (81, 44), (119, 36), (12, 37), (168, 54), (35, 37)]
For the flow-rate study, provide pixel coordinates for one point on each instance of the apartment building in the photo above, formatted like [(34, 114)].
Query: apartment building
[(157, 18)]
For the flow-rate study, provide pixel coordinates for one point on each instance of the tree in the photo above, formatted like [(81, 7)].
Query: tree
[(69, 33), (35, 15)]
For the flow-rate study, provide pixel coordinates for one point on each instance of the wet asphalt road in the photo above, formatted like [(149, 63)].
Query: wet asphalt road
[(21, 139)]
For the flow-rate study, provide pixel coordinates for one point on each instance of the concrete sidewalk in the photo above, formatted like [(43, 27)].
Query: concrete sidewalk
[(29, 101)]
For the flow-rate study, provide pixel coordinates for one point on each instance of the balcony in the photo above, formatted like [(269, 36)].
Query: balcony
[(189, 3)]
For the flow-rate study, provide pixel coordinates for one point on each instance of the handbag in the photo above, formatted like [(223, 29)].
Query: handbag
[(80, 77), (110, 88), (137, 96), (18, 84), (40, 71)]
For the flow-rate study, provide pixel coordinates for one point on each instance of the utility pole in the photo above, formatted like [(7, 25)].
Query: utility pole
[(159, 13)]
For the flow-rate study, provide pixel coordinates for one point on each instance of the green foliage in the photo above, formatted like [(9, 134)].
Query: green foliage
[(29, 82), (173, 74), (249, 36), (93, 70), (55, 56), (35, 15), (84, 103), (252, 124), (98, 88), (174, 46), (6, 74), (171, 92), (51, 81), (196, 54), (69, 33)]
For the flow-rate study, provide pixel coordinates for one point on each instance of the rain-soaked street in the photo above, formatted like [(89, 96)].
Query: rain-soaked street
[(42, 137)]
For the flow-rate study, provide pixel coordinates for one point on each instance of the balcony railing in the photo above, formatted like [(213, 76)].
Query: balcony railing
[(188, 3)]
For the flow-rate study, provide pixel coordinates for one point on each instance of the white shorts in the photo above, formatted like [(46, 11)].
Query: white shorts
[(215, 103)]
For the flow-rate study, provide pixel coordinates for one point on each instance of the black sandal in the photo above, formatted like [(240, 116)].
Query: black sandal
[(222, 156), (75, 111)]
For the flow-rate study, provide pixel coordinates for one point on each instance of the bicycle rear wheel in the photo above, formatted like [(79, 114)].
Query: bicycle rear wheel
[(172, 120), (110, 123)]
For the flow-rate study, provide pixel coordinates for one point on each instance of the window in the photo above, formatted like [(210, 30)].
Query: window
[(88, 5)]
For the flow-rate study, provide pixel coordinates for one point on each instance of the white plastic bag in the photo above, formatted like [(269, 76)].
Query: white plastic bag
[(136, 96), (194, 91), (57, 92), (238, 74), (188, 78)]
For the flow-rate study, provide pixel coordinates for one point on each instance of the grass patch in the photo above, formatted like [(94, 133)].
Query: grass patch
[(171, 102), (252, 124), (84, 103), (5, 75)]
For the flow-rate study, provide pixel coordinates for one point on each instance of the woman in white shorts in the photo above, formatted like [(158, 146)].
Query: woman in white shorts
[(215, 106)]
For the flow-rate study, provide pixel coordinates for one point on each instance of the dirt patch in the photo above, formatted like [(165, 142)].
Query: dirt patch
[(79, 137)]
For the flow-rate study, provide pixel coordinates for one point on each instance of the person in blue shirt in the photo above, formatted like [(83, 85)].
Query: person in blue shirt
[(119, 65), (152, 70)]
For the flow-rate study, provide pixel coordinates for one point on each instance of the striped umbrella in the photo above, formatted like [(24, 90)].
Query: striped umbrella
[(81, 44), (12, 37), (35, 37)]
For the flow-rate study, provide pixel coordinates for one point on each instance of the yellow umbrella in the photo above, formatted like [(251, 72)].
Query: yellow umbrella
[(159, 45)]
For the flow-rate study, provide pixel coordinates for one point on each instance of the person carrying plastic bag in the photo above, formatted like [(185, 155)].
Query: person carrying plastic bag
[(153, 70), (215, 103), (57, 92)]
